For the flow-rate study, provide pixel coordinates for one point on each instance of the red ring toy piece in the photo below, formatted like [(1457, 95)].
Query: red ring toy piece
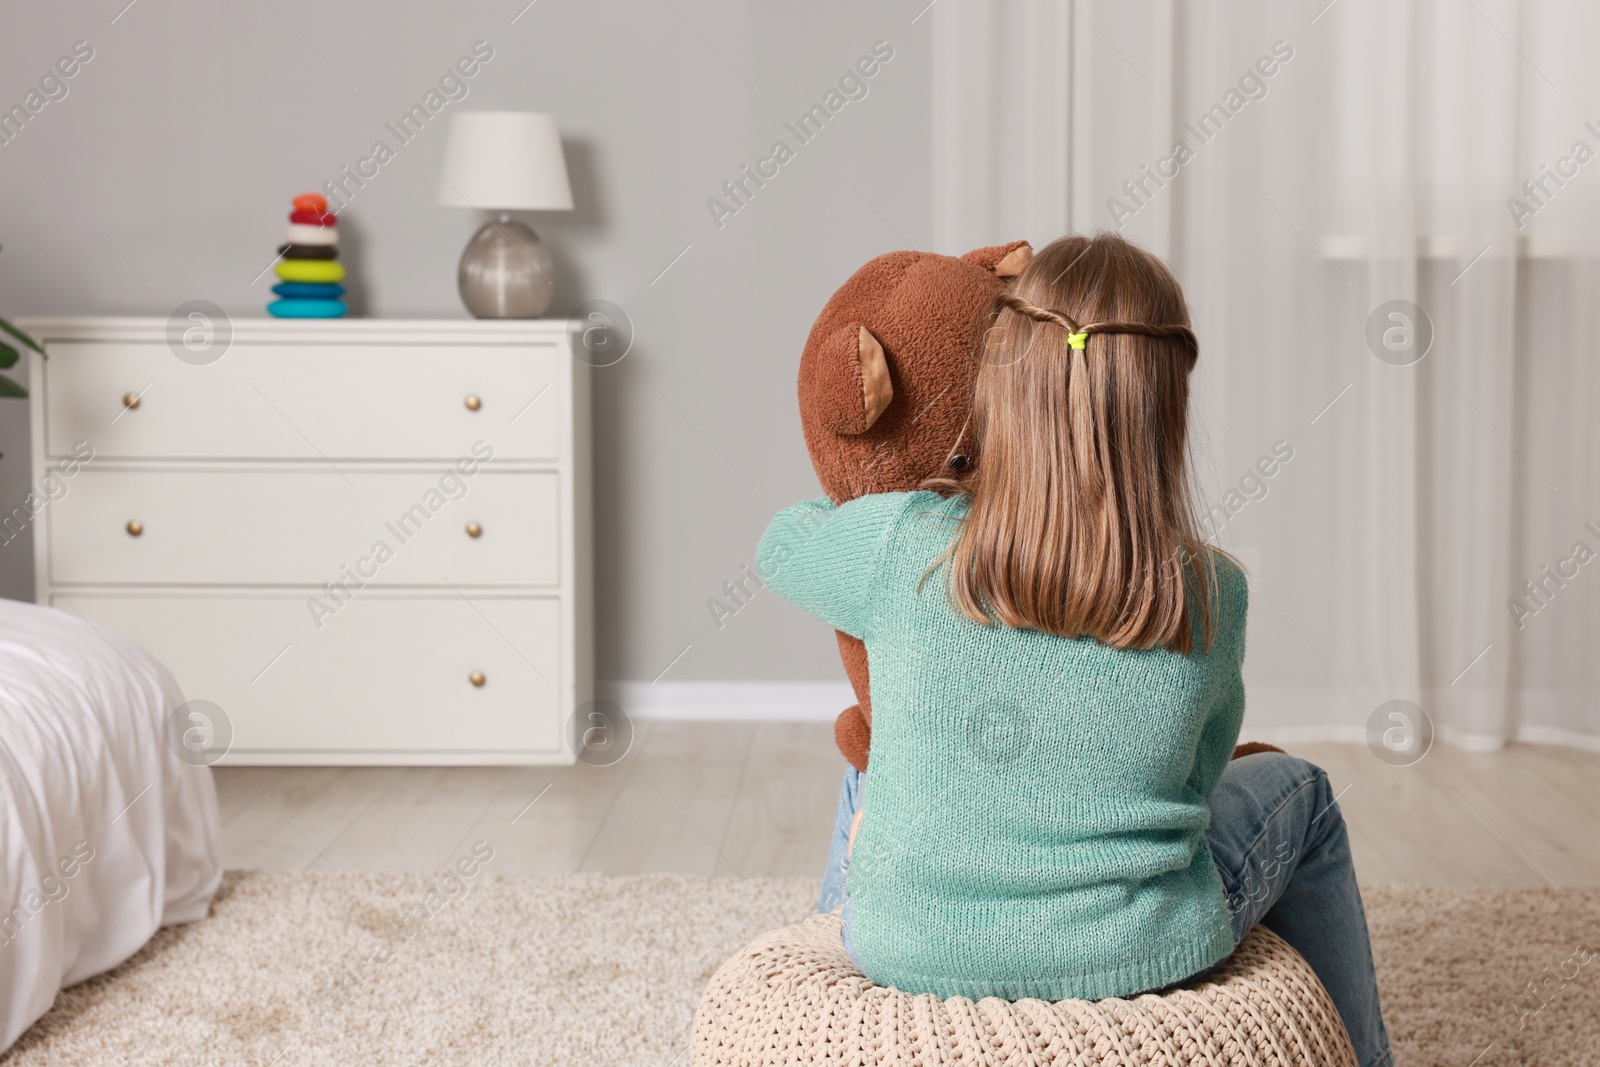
[(311, 202), (313, 218)]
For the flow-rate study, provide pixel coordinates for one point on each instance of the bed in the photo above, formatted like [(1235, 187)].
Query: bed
[(108, 824)]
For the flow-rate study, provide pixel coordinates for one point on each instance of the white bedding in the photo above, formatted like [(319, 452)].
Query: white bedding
[(105, 834)]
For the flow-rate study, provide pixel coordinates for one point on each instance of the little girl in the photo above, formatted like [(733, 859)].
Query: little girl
[(1056, 686)]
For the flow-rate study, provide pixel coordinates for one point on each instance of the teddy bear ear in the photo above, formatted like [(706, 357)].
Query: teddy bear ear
[(1003, 261), (876, 389), (849, 381)]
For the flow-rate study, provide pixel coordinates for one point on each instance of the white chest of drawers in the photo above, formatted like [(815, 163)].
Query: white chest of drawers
[(363, 541)]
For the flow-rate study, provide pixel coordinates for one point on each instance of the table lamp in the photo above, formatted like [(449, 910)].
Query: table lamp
[(503, 161)]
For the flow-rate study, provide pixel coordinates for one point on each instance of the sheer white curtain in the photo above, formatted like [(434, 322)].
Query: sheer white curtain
[(1426, 528)]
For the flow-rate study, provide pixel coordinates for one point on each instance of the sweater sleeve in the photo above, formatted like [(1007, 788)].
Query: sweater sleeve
[(1221, 731), (824, 558)]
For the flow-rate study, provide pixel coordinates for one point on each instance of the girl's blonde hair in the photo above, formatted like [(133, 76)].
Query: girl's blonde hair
[(1081, 518)]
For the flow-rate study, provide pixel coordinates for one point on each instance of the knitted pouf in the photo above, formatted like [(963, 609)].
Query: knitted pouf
[(793, 997)]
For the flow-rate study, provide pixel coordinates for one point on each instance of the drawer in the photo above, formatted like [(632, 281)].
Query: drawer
[(244, 526), (388, 677), (304, 401)]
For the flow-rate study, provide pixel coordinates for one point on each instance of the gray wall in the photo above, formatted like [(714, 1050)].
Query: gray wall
[(164, 173)]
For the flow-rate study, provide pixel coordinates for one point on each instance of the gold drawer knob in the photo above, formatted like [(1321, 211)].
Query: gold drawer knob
[(474, 530), (477, 678), (130, 400), (473, 403), (135, 527)]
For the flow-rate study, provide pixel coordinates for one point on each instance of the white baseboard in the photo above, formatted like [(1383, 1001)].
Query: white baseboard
[(822, 702), (730, 701), (1304, 735), (1347, 734), (1528, 734), (1554, 735)]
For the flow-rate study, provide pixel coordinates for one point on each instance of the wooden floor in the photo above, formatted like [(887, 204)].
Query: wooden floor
[(732, 800)]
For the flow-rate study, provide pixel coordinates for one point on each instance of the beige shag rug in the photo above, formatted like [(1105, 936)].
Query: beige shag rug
[(311, 969)]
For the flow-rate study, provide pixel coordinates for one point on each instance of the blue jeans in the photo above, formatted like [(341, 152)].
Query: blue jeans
[(1279, 843)]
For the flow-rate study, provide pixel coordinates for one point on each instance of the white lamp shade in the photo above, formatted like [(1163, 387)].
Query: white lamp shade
[(505, 161)]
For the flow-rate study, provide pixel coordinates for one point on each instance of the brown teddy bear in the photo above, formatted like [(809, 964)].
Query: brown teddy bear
[(885, 390)]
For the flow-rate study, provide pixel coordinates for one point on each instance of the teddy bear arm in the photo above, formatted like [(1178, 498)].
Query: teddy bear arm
[(852, 731), (853, 736)]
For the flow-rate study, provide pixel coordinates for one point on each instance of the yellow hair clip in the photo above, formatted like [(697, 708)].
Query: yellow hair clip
[(1080, 341)]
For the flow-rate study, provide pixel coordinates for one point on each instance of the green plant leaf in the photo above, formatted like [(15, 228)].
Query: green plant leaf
[(20, 336), (8, 356), (10, 388)]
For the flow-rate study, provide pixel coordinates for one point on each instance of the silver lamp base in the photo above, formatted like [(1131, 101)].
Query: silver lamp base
[(505, 272)]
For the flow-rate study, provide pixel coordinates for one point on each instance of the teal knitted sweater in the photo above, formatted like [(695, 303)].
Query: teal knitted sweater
[(1035, 813)]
